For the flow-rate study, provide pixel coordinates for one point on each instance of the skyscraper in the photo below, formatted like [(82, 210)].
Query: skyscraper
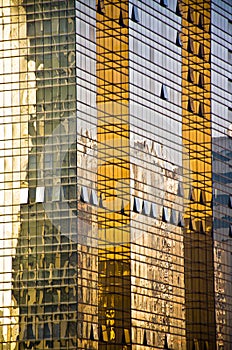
[(115, 156)]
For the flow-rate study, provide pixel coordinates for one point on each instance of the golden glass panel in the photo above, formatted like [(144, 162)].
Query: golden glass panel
[(197, 175), (113, 175)]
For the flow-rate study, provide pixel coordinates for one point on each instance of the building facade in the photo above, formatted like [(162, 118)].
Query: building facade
[(115, 181)]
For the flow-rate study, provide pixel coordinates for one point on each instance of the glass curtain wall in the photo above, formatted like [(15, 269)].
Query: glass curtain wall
[(157, 259), (221, 88), (115, 141), (200, 317), (113, 174)]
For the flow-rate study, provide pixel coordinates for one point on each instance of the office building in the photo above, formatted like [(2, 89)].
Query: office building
[(115, 182)]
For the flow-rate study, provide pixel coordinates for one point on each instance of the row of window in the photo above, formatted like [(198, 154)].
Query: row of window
[(190, 15), (90, 197), (95, 334), (54, 194), (140, 206), (146, 208), (134, 12), (171, 216), (100, 333), (191, 103)]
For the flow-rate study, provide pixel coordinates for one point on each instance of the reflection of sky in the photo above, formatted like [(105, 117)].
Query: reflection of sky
[(221, 127), (220, 71), (222, 132), (221, 117)]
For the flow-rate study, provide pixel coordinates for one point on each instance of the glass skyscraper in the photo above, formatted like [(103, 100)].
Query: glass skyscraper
[(115, 174)]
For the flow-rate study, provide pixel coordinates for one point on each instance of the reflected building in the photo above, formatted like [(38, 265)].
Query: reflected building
[(115, 222), (222, 236)]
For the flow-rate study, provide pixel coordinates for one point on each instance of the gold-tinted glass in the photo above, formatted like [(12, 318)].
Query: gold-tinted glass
[(197, 174), (113, 175)]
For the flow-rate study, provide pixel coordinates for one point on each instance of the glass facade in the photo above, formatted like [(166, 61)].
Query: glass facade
[(115, 191), (221, 156), (197, 169), (157, 255)]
